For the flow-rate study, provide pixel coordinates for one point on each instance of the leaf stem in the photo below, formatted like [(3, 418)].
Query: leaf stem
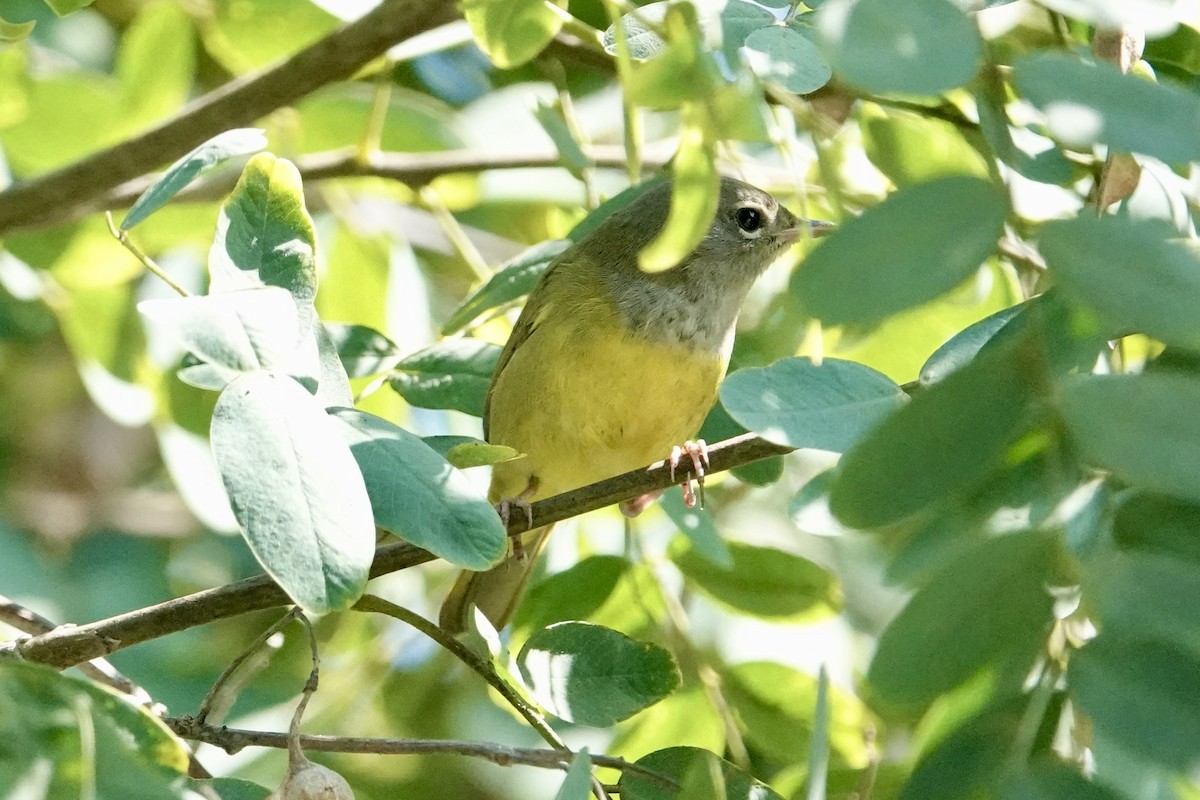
[(122, 237)]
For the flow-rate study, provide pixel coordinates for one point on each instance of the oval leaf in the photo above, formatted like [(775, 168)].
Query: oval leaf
[(953, 627), (1142, 694), (511, 282), (1087, 103), (800, 404), (237, 331), (594, 675), (763, 581), (1139, 426), (920, 242), (363, 351), (916, 47), (694, 199), (958, 431), (217, 150), (512, 32), (1133, 273), (265, 236), (418, 496), (295, 489), (783, 56), (451, 374)]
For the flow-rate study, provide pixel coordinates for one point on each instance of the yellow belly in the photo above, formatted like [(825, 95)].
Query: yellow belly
[(588, 401)]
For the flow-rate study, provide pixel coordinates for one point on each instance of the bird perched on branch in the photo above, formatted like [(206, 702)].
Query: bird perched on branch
[(609, 366)]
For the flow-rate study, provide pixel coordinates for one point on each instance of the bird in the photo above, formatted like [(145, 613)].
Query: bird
[(610, 367)]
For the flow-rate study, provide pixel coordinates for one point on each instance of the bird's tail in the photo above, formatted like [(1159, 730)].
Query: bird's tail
[(496, 591)]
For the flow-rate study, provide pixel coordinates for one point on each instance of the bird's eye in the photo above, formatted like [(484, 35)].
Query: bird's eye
[(750, 219)]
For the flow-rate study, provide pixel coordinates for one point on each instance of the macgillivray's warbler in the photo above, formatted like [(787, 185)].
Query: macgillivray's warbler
[(609, 366)]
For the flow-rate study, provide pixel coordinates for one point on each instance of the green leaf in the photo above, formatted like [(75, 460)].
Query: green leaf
[(295, 490), (217, 150), (1147, 594), (450, 374), (680, 763), (129, 754), (594, 675), (738, 20), (235, 331), (698, 526), (965, 345), (64, 7), (1143, 694), (236, 789), (801, 404), (155, 64), (959, 432), (1134, 425), (1133, 273), (954, 627), (363, 351), (970, 759), (818, 750), (577, 785), (418, 496), (719, 426), (783, 56), (776, 705), (596, 218), (512, 281), (464, 452), (918, 47), (15, 31), (265, 236), (550, 117), (607, 590), (333, 384), (1158, 524), (694, 200), (1088, 104), (913, 148), (643, 41), (1051, 780), (683, 73), (918, 243), (764, 582), (512, 32)]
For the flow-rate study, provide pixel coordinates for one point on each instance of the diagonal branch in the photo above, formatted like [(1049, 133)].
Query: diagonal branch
[(68, 645), (239, 102)]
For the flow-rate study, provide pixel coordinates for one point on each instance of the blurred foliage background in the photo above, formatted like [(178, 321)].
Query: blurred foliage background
[(462, 147)]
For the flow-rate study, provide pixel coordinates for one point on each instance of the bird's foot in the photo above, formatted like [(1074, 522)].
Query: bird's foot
[(697, 451), (505, 508)]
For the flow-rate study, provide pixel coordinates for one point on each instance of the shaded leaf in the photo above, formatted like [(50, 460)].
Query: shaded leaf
[(678, 764), (594, 675), (450, 374), (1133, 425), (1143, 694), (918, 243), (699, 528), (512, 281), (918, 47), (418, 496), (1133, 273), (1095, 103), (577, 785), (953, 627), (965, 345), (363, 351), (763, 582), (295, 490)]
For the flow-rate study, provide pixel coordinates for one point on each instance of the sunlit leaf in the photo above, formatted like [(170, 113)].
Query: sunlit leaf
[(513, 280), (594, 675), (512, 32), (217, 150), (295, 489), (781, 55), (694, 200), (362, 350), (680, 763), (577, 785), (802, 404), (451, 374), (418, 496)]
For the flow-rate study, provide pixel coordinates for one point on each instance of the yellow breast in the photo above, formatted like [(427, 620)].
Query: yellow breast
[(585, 399)]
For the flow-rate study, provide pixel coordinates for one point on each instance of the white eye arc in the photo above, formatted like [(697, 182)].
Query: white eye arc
[(750, 219)]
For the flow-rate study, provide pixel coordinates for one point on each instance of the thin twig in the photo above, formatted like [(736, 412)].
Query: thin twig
[(147, 262), (232, 740), (478, 664), (215, 692), (295, 750), (68, 645), (239, 102)]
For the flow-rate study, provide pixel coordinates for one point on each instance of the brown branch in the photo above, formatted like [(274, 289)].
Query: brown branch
[(232, 740), (69, 645), (239, 102), (411, 169)]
